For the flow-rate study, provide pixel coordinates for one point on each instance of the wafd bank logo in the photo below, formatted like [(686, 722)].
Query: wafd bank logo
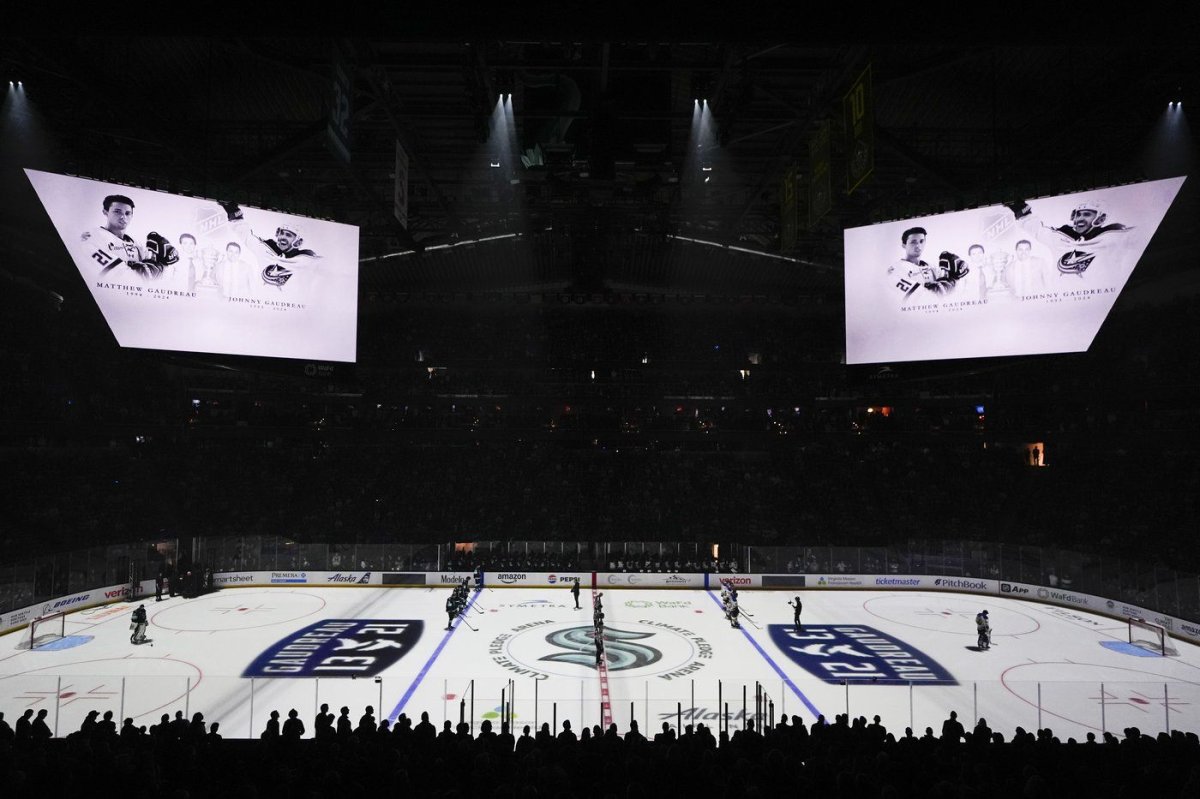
[(838, 652), (339, 648)]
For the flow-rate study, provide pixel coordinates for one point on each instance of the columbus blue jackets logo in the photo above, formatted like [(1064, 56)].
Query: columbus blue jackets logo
[(1075, 262), (276, 275), (339, 648), (621, 648), (839, 652)]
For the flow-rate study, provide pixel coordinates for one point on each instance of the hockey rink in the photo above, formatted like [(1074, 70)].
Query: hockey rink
[(910, 657)]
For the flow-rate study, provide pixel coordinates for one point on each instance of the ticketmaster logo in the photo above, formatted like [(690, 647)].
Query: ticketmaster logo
[(946, 582), (897, 581)]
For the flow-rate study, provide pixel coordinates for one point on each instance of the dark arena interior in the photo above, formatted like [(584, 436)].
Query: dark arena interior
[(492, 298)]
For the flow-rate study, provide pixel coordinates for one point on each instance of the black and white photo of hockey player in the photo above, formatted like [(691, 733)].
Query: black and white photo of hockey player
[(1084, 245), (120, 257), (287, 266), (910, 275)]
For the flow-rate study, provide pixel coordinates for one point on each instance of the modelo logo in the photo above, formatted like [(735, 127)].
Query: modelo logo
[(353, 579), (511, 578), (116, 592), (897, 581), (448, 579), (339, 648), (837, 652), (977, 585), (1006, 588)]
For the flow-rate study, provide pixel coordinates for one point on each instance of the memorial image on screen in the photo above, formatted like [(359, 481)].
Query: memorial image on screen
[(189, 274), (1038, 276)]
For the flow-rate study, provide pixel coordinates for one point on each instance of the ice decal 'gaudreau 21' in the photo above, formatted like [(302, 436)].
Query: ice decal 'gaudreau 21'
[(837, 652), (339, 648)]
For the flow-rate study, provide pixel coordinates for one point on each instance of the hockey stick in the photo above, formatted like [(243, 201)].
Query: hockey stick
[(463, 619), (753, 623)]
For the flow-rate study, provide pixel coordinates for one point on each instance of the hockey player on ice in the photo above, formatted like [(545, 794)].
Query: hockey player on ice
[(984, 629), (138, 623)]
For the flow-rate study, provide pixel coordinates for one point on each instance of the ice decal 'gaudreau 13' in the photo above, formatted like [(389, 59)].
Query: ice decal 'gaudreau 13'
[(339, 648), (838, 652)]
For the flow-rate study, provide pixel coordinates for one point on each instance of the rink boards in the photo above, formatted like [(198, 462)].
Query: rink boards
[(909, 656)]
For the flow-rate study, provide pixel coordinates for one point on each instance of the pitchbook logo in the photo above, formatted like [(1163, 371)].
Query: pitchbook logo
[(339, 648), (836, 653)]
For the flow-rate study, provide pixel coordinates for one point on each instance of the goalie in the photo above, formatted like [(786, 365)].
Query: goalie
[(138, 623), (117, 254), (984, 629)]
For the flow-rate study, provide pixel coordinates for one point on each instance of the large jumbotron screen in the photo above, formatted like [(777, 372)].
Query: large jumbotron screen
[(1035, 277), (188, 274)]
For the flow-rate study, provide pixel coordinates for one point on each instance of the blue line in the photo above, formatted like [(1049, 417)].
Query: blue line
[(399, 708), (786, 680)]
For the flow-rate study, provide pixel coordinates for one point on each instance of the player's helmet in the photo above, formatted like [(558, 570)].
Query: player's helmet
[(290, 227), (1095, 206), (985, 613)]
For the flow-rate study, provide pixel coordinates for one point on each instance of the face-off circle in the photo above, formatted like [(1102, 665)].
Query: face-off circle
[(1092, 694), (950, 613), (238, 610)]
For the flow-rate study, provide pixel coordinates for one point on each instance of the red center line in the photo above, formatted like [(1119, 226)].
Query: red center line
[(602, 667)]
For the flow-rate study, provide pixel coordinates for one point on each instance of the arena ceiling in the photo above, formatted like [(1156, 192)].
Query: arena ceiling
[(603, 113)]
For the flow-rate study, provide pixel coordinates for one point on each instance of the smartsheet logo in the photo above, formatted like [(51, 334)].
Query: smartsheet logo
[(339, 648), (835, 653)]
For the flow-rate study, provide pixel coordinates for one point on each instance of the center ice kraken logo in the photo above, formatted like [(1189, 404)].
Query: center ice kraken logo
[(541, 648), (620, 650)]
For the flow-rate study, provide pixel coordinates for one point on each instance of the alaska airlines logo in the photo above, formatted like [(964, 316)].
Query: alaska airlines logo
[(620, 650), (835, 653)]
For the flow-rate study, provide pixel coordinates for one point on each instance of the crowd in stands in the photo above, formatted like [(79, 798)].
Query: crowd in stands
[(181, 757)]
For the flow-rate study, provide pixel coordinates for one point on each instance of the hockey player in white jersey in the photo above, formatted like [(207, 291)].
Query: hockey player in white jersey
[(287, 269), (1084, 246), (984, 630), (120, 258), (911, 275)]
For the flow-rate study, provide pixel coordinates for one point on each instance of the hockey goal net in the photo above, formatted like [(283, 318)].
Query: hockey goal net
[(44, 630), (1146, 635)]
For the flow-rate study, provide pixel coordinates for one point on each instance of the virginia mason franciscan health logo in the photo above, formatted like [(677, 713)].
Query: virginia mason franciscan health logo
[(339, 648), (837, 652)]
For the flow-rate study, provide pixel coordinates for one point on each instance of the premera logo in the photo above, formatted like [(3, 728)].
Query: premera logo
[(353, 578), (1009, 588), (289, 577), (511, 578), (955, 582), (837, 652), (909, 581), (339, 648)]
